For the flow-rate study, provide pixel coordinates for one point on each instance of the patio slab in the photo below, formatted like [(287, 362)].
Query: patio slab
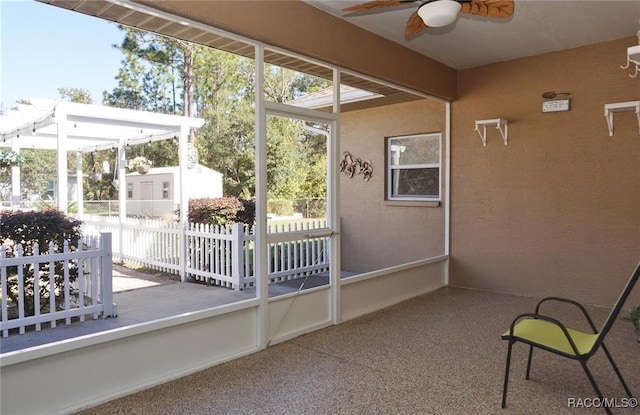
[(439, 353), (142, 297)]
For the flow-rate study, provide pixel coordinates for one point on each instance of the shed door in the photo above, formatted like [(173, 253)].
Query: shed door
[(146, 198)]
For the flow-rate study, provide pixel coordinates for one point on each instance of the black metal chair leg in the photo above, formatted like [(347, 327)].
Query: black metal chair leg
[(529, 363), (615, 367), (506, 376), (595, 386)]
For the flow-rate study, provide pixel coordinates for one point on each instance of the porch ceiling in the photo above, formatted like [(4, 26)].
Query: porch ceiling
[(137, 16), (88, 127)]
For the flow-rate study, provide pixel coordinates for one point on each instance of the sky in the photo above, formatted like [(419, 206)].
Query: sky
[(43, 48)]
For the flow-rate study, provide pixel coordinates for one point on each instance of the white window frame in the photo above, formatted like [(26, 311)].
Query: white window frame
[(129, 190), (391, 167)]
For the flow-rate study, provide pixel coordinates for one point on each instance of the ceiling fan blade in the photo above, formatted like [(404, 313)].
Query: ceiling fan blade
[(415, 25), (489, 8), (377, 4)]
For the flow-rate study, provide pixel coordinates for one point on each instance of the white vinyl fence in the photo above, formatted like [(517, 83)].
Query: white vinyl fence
[(80, 285), (217, 255)]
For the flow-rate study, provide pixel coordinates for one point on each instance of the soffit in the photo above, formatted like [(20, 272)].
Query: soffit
[(159, 24)]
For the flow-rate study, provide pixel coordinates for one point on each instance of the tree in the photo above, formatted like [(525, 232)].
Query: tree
[(153, 69), (219, 87), (225, 96), (76, 95), (130, 90)]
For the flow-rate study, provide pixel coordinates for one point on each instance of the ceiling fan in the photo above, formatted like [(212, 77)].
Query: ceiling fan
[(438, 13)]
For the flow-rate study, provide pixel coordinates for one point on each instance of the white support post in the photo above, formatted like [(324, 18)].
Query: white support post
[(333, 205), (122, 196), (184, 199), (79, 184), (260, 251), (447, 191), (61, 121), (15, 178)]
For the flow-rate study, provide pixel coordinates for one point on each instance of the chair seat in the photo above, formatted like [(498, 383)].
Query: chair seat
[(549, 335)]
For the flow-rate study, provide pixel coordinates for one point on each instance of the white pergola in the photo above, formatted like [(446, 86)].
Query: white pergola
[(68, 126)]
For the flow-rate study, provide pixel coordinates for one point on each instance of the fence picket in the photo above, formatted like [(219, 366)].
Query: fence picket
[(67, 286), (4, 310), (21, 296), (52, 283), (213, 251), (73, 305), (81, 281), (95, 285), (36, 285)]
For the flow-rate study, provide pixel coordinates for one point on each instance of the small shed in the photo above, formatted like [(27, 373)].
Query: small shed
[(157, 193)]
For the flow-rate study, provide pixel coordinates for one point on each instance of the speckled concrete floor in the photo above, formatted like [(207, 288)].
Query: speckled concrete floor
[(439, 353)]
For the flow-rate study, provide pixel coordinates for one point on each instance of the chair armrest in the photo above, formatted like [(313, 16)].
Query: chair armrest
[(568, 301), (548, 319)]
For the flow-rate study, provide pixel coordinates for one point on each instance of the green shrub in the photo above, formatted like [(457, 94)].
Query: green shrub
[(27, 229), (221, 210)]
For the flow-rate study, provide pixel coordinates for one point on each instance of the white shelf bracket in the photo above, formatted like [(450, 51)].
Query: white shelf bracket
[(499, 122), (610, 109), (633, 57)]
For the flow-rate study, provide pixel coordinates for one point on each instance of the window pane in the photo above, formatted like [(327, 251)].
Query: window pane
[(415, 150), (415, 182)]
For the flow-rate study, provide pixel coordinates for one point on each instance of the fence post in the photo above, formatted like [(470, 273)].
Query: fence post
[(237, 255), (106, 271), (184, 251)]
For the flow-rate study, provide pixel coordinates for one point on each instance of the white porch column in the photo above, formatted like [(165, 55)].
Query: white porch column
[(260, 142), (447, 191), (184, 199), (79, 184), (61, 121), (15, 177), (333, 202), (122, 195)]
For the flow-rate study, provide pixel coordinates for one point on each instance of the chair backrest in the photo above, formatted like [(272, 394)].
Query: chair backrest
[(618, 306)]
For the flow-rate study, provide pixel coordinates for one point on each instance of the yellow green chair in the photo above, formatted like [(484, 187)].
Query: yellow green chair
[(547, 333)]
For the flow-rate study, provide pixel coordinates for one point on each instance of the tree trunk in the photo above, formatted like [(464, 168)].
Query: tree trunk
[(188, 79)]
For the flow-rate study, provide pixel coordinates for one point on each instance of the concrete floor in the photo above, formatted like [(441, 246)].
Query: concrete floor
[(439, 353), (143, 297)]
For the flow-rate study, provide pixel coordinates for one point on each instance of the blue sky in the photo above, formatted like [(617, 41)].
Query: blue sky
[(43, 48)]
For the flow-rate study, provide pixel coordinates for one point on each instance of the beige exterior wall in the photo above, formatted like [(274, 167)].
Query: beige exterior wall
[(557, 210), (376, 234)]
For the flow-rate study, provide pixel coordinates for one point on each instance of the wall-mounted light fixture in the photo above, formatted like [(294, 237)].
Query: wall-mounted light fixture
[(556, 101)]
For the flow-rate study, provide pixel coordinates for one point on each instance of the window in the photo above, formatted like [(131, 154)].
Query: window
[(51, 190), (165, 190), (413, 167), (129, 190)]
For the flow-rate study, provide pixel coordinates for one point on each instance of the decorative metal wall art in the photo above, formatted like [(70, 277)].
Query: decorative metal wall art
[(350, 166)]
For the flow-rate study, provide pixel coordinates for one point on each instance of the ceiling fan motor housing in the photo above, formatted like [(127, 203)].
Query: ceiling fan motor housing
[(439, 13)]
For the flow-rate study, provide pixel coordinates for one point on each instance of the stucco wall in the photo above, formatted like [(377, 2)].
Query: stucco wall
[(557, 210), (376, 234)]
